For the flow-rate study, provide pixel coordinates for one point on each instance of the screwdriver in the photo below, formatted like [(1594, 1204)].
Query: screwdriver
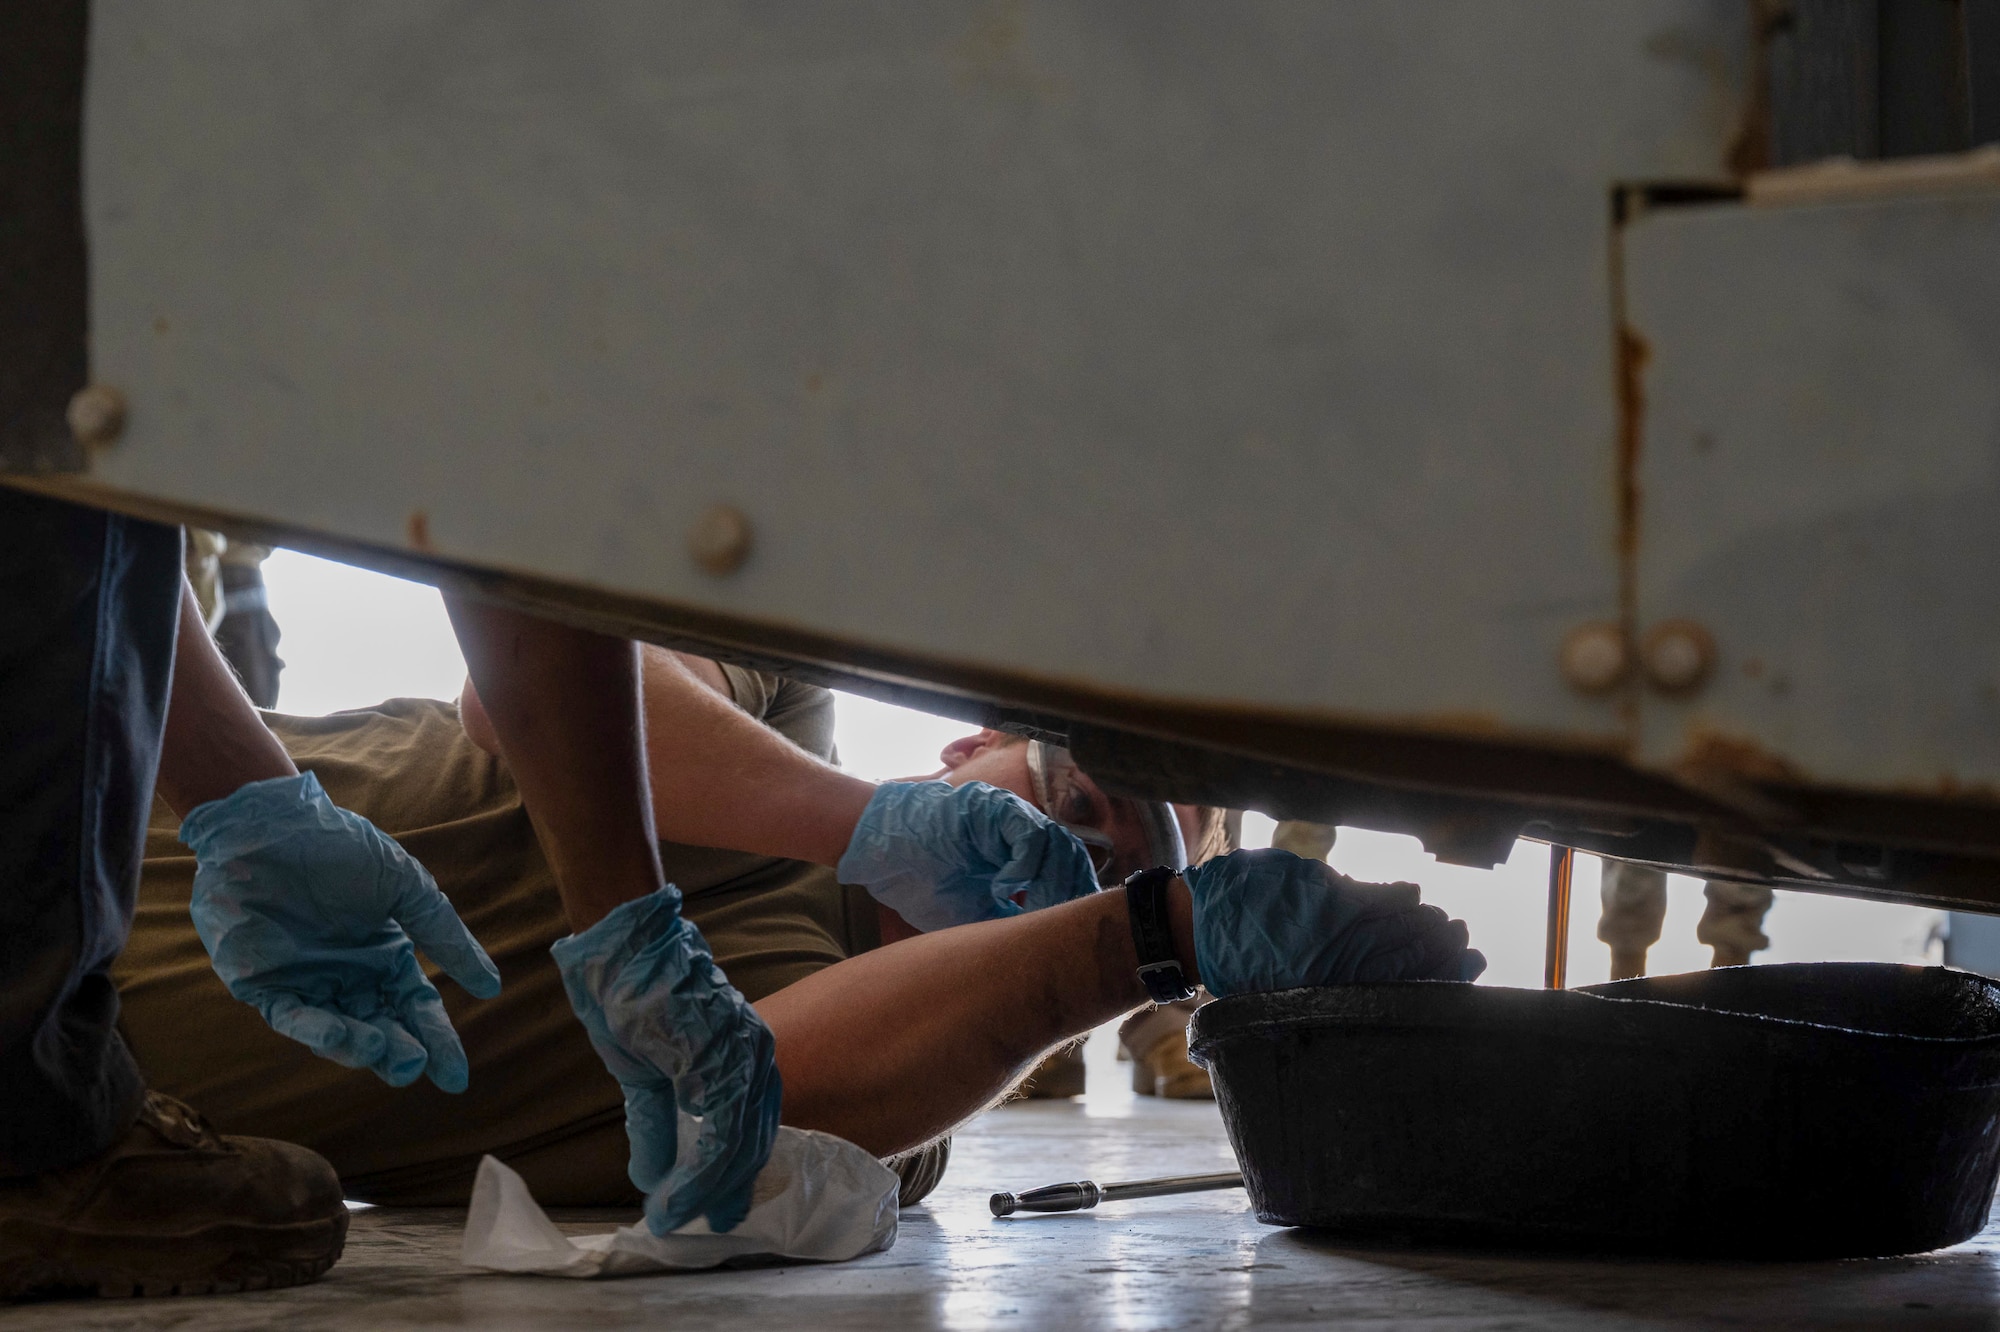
[(1083, 1194)]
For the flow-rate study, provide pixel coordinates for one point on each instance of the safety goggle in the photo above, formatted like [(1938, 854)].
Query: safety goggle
[(1062, 790)]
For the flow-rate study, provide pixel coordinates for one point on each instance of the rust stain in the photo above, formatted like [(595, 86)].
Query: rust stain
[(1461, 723), (1712, 751), (1630, 352), (1633, 353), (1955, 788), (1726, 85), (418, 530), (1750, 147)]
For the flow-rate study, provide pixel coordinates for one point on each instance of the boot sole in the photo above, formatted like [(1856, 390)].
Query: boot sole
[(218, 1260)]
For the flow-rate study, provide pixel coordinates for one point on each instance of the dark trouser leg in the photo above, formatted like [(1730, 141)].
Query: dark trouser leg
[(88, 607)]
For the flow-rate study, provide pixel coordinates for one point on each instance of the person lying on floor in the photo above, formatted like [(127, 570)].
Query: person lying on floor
[(888, 1046), (539, 1095)]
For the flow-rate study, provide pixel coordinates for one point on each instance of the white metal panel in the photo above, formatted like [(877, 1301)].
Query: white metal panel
[(1254, 352), (1821, 485)]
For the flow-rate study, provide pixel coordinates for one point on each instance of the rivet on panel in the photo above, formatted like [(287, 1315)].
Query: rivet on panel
[(1593, 657), (1678, 656), (720, 541), (96, 414)]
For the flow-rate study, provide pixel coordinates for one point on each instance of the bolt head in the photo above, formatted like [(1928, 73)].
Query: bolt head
[(96, 414), (721, 539), (1678, 656), (1594, 658)]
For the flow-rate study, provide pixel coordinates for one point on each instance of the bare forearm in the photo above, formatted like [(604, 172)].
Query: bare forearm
[(719, 778), (564, 706), (896, 1046), (215, 742), (722, 779)]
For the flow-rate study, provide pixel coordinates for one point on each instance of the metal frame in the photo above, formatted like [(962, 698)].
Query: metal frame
[(1453, 725)]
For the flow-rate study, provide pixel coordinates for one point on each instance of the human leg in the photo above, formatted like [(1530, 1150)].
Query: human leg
[(1635, 906), (1732, 924), (88, 607), (104, 1186)]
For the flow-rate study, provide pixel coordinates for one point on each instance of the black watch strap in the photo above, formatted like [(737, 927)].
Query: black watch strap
[(1146, 903)]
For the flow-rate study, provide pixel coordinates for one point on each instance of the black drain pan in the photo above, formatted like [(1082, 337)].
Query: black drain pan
[(1819, 1110)]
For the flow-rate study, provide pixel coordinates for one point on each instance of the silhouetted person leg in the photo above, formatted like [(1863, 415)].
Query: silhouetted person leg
[(104, 1186)]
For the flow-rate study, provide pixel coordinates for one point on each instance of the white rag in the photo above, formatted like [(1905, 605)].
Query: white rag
[(819, 1198)]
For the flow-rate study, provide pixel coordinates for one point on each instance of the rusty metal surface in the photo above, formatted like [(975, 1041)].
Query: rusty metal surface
[(1268, 399), (1467, 801), (1819, 478), (1028, 337)]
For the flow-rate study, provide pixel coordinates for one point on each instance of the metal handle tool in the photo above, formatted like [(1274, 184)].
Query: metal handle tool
[(1083, 1194)]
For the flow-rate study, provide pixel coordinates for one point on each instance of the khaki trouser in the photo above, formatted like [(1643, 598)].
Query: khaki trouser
[(1635, 907)]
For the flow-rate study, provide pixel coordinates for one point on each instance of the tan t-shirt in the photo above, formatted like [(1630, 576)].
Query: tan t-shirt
[(539, 1097)]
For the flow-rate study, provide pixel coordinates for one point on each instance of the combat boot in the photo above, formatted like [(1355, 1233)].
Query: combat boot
[(1155, 1040), (173, 1208)]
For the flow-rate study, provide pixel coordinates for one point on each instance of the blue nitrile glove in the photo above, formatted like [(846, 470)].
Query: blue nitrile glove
[(309, 911), (938, 854), (1269, 920), (698, 1066)]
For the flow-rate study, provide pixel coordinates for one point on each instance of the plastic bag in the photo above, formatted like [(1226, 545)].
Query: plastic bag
[(818, 1198)]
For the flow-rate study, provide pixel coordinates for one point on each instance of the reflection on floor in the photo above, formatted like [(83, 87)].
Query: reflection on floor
[(1197, 1261)]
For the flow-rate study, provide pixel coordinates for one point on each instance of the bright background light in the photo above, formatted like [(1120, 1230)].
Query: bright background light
[(1506, 910), (881, 741), (353, 638)]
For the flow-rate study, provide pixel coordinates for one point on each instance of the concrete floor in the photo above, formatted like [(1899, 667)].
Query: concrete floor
[(1198, 1261)]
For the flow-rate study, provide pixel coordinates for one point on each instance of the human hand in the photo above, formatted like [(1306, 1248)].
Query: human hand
[(1268, 920), (685, 1046), (941, 855), (309, 913)]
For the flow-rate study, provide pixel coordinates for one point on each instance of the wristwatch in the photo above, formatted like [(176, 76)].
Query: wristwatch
[(1146, 902)]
